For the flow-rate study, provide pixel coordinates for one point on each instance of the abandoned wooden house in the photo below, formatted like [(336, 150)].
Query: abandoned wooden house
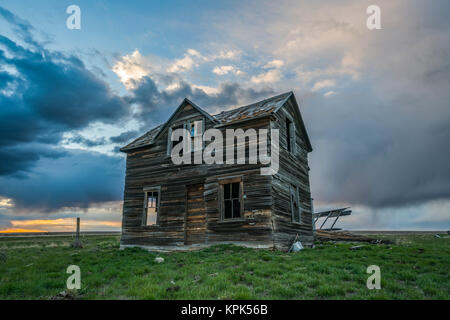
[(170, 207)]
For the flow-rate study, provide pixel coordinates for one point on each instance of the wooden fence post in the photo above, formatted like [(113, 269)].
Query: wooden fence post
[(77, 243)]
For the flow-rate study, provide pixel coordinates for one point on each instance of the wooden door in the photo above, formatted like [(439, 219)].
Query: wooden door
[(195, 226)]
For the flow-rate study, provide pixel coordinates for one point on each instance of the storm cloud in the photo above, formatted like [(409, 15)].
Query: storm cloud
[(156, 104), (77, 179), (375, 103), (42, 95), (383, 141), (45, 94)]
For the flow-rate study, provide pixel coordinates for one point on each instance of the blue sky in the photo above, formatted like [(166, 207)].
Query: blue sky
[(375, 102)]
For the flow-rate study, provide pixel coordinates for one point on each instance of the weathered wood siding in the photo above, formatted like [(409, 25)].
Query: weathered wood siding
[(195, 214), (150, 166), (293, 170)]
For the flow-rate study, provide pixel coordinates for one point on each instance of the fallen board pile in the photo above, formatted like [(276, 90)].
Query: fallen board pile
[(322, 235)]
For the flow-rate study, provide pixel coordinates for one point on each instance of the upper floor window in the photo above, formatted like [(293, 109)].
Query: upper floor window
[(290, 136), (194, 128), (173, 143), (295, 204)]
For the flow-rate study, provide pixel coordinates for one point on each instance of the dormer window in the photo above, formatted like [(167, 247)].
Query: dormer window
[(195, 130), (173, 143)]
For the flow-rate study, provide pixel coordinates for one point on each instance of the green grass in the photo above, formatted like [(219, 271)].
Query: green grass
[(416, 267)]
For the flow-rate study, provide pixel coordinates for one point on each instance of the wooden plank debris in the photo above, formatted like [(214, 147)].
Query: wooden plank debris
[(335, 213), (322, 235)]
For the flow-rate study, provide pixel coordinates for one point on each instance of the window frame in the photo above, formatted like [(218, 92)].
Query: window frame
[(170, 143), (191, 125), (187, 125), (230, 180), (146, 191), (291, 135), (295, 190)]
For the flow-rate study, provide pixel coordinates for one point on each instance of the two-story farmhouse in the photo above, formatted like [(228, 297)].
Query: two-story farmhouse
[(171, 206)]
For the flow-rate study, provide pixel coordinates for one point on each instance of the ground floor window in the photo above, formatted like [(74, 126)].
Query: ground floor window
[(151, 207), (295, 204), (231, 196)]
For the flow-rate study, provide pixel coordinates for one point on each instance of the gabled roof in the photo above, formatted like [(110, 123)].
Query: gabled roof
[(251, 111), (256, 110), (150, 136), (182, 104), (144, 140)]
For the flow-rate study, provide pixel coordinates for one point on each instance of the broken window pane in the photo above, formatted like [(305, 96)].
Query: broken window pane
[(236, 209), (226, 191), (288, 134), (227, 210), (235, 190)]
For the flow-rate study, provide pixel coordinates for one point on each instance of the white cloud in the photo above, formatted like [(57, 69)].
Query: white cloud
[(328, 93), (226, 55), (192, 58), (223, 70), (131, 68), (271, 76), (323, 84), (274, 64), (6, 202), (208, 90), (268, 77), (186, 63)]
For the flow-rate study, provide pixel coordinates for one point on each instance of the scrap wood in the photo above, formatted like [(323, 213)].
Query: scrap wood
[(322, 235)]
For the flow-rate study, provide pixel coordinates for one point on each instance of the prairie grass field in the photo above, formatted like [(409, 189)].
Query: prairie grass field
[(415, 267)]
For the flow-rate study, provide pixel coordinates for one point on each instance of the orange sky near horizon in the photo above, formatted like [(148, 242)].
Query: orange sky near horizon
[(60, 225)]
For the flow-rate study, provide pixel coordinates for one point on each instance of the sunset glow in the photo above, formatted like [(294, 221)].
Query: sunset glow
[(60, 225), (19, 230)]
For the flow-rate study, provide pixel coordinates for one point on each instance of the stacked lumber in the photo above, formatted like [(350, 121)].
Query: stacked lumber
[(322, 235)]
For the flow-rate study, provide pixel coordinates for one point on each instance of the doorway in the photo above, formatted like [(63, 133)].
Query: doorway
[(195, 226)]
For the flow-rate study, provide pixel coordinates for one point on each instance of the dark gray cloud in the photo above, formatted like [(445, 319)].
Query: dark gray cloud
[(124, 137), (44, 94), (76, 179), (14, 160), (157, 105), (385, 141), (79, 139)]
